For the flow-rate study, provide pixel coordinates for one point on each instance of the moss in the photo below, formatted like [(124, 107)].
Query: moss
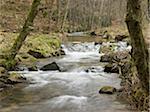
[(9, 64), (25, 59), (44, 44), (107, 90)]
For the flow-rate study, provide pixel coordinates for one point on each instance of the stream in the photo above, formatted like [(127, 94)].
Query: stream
[(76, 89)]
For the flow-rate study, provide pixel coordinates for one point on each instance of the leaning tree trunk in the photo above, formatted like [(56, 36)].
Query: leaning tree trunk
[(25, 30), (65, 16), (139, 48)]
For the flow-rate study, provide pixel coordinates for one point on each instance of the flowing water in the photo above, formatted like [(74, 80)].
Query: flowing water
[(73, 90)]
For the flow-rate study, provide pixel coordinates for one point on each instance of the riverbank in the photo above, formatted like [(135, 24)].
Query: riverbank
[(35, 48)]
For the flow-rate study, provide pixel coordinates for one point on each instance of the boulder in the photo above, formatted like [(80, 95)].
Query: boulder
[(36, 54), (107, 90), (111, 68), (51, 67), (120, 37)]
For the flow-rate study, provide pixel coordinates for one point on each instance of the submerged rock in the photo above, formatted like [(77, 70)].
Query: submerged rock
[(94, 70), (107, 90), (51, 67), (111, 68)]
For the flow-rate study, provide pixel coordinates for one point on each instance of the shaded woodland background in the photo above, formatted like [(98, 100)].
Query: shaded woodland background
[(66, 15)]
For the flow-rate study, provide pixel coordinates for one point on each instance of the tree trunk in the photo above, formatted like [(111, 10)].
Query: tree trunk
[(139, 48), (149, 8), (25, 30), (65, 16)]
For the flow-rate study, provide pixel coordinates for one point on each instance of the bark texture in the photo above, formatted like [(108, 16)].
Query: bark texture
[(139, 48)]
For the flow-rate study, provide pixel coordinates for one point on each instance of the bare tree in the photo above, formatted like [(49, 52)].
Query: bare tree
[(139, 48)]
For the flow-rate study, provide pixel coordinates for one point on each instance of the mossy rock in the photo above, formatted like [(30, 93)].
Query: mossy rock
[(15, 78), (25, 57), (10, 64), (2, 70), (43, 44), (107, 90)]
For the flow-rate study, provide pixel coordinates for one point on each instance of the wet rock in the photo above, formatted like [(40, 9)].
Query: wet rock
[(33, 68), (15, 78), (106, 58), (107, 90), (62, 52), (36, 54), (57, 53), (111, 68), (51, 67), (120, 37), (92, 69)]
